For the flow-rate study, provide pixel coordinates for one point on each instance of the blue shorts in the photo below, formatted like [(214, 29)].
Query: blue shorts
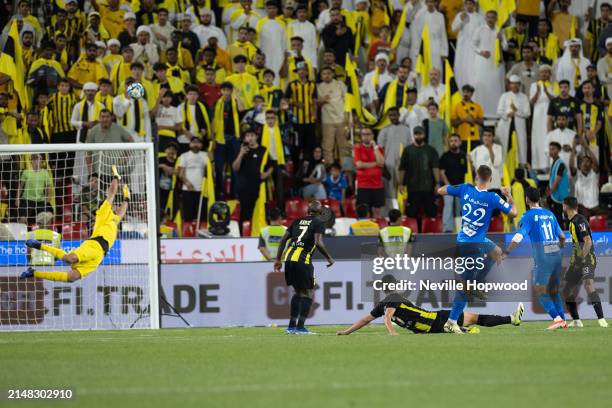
[(547, 270), (474, 250)]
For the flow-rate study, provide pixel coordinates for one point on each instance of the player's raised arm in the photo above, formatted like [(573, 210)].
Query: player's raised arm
[(513, 211)]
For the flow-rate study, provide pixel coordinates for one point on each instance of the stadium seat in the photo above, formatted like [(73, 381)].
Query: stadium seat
[(350, 207), (334, 205), (295, 208), (189, 229), (411, 223), (246, 229), (497, 224), (74, 231), (431, 225), (598, 223), (236, 214), (382, 222)]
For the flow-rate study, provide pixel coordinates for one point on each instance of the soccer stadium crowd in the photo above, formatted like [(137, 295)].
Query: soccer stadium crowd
[(367, 105)]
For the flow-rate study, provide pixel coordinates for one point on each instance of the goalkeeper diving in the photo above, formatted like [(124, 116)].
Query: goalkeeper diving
[(89, 255)]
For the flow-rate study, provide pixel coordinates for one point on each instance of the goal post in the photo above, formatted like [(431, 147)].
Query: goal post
[(52, 193)]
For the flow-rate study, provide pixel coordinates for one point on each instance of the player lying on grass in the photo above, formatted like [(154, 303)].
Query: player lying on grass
[(86, 258), (547, 239), (399, 310)]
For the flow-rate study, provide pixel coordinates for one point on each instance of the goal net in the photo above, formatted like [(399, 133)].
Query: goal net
[(52, 194)]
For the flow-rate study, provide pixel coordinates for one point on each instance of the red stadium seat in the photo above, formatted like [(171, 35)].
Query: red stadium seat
[(598, 222), (411, 223), (236, 214), (295, 208), (382, 222), (74, 231), (334, 205), (246, 229), (189, 229), (350, 207), (497, 224), (431, 225)]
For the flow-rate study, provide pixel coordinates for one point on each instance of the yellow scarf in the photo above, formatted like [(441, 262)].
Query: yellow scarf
[(390, 101), (577, 76), (107, 100), (259, 212), (218, 122), (362, 23), (498, 53), (126, 120), (208, 185), (278, 143), (96, 113), (188, 119)]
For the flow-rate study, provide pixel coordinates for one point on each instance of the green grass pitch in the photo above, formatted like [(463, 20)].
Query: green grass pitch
[(262, 367)]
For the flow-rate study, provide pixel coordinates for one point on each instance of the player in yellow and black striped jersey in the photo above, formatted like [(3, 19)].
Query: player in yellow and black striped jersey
[(582, 264), (302, 94), (60, 107), (305, 234), (397, 309)]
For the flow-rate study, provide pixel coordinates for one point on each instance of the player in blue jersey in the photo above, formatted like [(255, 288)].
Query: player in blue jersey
[(547, 239), (477, 206)]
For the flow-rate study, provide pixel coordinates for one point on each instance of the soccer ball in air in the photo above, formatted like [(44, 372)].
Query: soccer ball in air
[(136, 90)]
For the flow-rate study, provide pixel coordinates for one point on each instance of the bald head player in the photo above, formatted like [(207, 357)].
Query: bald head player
[(304, 235)]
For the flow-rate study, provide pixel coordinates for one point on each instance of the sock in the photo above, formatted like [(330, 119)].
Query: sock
[(492, 320), (52, 276), (488, 265), (459, 304), (548, 305), (596, 302), (559, 305), (295, 310), (305, 304), (56, 252), (573, 309)]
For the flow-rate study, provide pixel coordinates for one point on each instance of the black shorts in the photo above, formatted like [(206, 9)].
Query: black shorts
[(299, 275), (440, 320), (577, 272), (373, 197)]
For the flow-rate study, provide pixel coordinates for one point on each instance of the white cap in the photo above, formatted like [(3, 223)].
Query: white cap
[(360, 1), (70, 1), (90, 86), (382, 55), (143, 29), (205, 11), (514, 79), (100, 44), (608, 40), (129, 15), (113, 41)]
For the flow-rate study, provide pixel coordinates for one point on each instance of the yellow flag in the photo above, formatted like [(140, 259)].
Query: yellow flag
[(424, 60), (259, 212), (208, 185), (512, 160), (400, 29), (505, 8), (352, 101), (13, 66), (451, 95)]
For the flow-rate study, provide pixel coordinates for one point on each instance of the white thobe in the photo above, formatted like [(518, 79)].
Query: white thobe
[(539, 127), (308, 32), (272, 44), (414, 117), (567, 70), (564, 137), (465, 54), (429, 91), (205, 32), (518, 103), (438, 42), (368, 83), (488, 76)]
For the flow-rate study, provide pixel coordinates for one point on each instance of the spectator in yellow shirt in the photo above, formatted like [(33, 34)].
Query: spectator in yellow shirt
[(363, 225), (87, 69)]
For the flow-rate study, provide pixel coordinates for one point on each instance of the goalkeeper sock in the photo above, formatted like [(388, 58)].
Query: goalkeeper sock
[(305, 304), (52, 276), (548, 305), (492, 320), (294, 310), (56, 252), (596, 302), (559, 305), (458, 305), (573, 309)]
